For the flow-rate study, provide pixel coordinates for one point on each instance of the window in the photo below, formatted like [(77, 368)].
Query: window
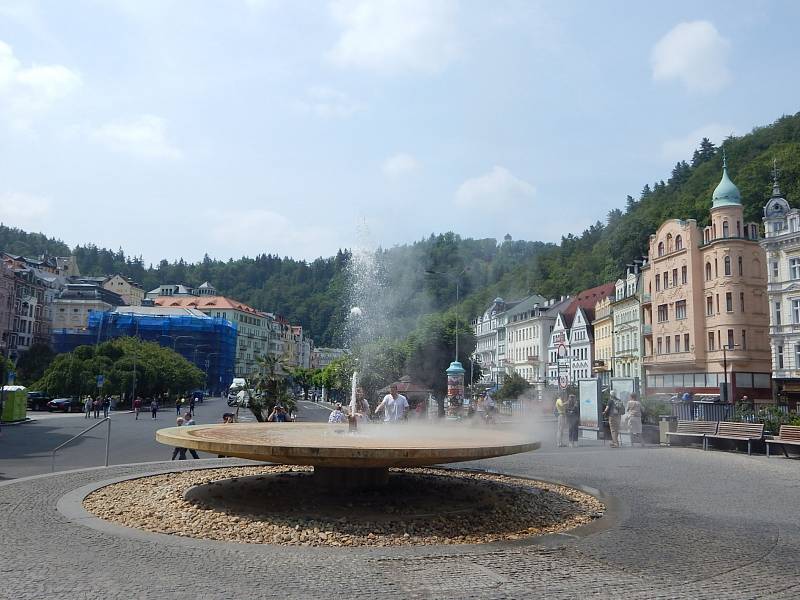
[(738, 229), (730, 339), (668, 341), (674, 277), (780, 357), (709, 306), (725, 229), (796, 312), (661, 248), (659, 349), (684, 274), (744, 339), (678, 242), (666, 279), (708, 271), (685, 342), (794, 268), (658, 282), (680, 309), (727, 265), (717, 298), (777, 313), (663, 313), (741, 266), (716, 268), (710, 341), (775, 269), (741, 301), (706, 235), (728, 302), (753, 232), (677, 343), (797, 355)]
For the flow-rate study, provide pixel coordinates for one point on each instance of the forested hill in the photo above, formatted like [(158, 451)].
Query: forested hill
[(315, 293)]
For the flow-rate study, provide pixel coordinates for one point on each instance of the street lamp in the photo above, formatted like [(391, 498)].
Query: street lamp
[(725, 367), (457, 278)]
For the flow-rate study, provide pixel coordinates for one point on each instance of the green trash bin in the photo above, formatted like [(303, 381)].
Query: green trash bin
[(15, 404)]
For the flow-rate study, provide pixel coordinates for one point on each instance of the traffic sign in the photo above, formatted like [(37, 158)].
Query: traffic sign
[(563, 381), (100, 380)]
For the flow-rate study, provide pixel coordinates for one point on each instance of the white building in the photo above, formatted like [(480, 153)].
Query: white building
[(782, 245), (626, 309), (322, 357), (490, 334)]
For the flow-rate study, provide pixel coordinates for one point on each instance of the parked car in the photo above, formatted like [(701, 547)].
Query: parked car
[(65, 405), (38, 400)]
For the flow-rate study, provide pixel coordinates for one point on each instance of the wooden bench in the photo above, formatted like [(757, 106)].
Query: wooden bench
[(789, 435), (694, 429), (742, 432)]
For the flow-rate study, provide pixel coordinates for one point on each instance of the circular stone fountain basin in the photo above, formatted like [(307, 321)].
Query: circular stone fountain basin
[(374, 446)]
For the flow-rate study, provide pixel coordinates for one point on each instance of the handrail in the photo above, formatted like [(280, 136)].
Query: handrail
[(87, 430)]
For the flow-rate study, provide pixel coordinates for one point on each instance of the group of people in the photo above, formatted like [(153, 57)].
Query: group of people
[(628, 416), (394, 407), (95, 405)]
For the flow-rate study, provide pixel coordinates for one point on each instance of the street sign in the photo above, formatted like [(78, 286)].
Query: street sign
[(100, 380), (563, 381)]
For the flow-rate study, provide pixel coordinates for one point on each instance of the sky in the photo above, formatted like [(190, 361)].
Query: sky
[(178, 128)]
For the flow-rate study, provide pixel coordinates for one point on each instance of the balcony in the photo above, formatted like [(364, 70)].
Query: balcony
[(647, 330), (533, 360), (647, 299)]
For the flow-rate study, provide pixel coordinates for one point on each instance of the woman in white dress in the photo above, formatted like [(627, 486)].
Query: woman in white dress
[(634, 414)]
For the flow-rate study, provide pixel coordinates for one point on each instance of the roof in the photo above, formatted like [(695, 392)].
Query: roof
[(160, 311), (726, 193), (526, 305), (206, 303), (586, 301), (406, 386)]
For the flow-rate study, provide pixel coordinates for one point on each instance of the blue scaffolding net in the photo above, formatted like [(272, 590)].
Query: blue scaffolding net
[(207, 342)]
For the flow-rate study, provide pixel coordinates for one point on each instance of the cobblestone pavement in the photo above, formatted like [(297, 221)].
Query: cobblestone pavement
[(688, 524)]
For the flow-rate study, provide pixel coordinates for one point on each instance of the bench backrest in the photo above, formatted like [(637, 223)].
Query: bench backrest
[(696, 427), (744, 430), (790, 432)]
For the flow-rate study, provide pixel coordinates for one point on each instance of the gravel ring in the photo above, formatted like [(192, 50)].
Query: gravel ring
[(157, 504)]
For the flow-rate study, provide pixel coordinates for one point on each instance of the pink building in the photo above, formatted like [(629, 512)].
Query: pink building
[(705, 305)]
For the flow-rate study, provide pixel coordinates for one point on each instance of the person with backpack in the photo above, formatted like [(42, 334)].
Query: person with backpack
[(613, 412), (573, 412)]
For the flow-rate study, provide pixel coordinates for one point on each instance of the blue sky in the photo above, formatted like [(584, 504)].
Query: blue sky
[(176, 128)]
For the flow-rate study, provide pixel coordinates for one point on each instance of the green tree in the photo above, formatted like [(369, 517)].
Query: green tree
[(513, 387), (32, 363), (304, 378)]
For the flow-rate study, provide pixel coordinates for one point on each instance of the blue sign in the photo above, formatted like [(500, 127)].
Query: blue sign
[(11, 377), (100, 380)]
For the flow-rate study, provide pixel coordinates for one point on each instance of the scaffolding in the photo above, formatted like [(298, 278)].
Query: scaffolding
[(207, 342)]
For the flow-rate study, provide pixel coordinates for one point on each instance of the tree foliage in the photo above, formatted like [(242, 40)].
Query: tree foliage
[(513, 387), (32, 363), (159, 372)]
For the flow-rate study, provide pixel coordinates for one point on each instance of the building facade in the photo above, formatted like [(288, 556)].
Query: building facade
[(782, 245), (490, 335), (602, 331), (322, 357), (73, 305), (705, 304), (627, 316), (130, 291)]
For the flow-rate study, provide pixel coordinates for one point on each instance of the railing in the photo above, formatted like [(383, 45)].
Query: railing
[(702, 411), (85, 431)]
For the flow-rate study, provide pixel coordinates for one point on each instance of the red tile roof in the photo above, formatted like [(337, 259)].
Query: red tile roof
[(205, 302), (586, 300)]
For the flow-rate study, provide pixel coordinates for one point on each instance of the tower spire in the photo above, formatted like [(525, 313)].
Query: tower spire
[(776, 190)]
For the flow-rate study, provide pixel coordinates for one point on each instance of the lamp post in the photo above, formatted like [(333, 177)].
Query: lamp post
[(725, 349)]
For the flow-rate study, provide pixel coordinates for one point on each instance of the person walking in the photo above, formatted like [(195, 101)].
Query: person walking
[(87, 407), (154, 408), (106, 406), (178, 405), (188, 420), (177, 451), (393, 405), (96, 407), (634, 412), (613, 412), (561, 412), (573, 417), (137, 406)]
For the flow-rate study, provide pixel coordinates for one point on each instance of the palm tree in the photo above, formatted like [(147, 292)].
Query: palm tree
[(269, 386)]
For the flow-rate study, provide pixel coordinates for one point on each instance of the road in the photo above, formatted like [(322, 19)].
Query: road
[(25, 449)]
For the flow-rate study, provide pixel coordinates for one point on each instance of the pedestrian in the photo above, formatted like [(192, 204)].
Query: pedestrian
[(96, 407), (613, 412), (178, 405), (87, 407), (177, 451), (137, 406), (154, 408), (573, 418), (359, 407), (634, 414), (188, 420), (106, 406), (278, 415), (337, 416), (561, 411), (393, 405), (192, 403)]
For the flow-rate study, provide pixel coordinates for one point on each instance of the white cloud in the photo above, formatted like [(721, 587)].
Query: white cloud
[(682, 148), (23, 210), (395, 35), (328, 103), (499, 189), (144, 136), (254, 231), (695, 54), (26, 91), (399, 165)]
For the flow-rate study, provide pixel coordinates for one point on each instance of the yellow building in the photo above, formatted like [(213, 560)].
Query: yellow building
[(603, 334), (130, 291)]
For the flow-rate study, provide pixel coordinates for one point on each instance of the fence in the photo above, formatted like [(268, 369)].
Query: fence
[(702, 411)]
